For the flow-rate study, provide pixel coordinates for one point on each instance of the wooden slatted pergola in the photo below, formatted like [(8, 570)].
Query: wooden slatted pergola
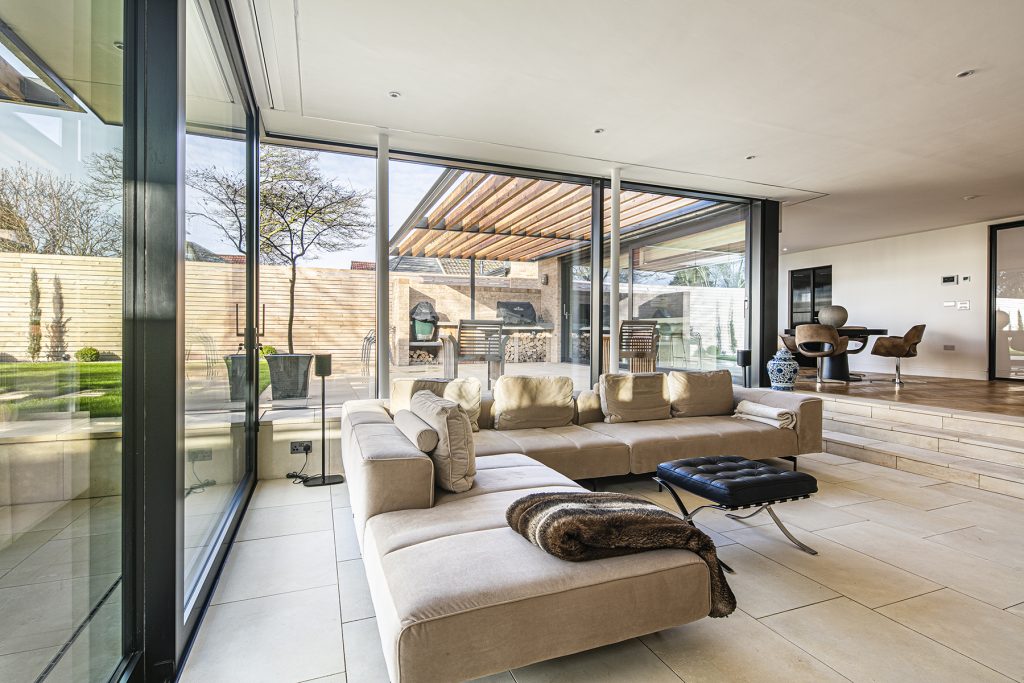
[(509, 218)]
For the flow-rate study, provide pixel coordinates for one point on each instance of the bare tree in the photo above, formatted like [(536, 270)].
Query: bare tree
[(44, 213), (303, 211)]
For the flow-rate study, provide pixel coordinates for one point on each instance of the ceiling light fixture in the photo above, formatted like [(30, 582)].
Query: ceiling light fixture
[(119, 45), (394, 94), (966, 73), (969, 197), (598, 131), (750, 157), (785, 249)]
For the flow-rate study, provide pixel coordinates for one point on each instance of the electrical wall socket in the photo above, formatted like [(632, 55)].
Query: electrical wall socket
[(300, 447), (200, 454)]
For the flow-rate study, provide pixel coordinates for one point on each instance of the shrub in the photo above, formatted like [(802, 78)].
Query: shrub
[(87, 354), (268, 350), (35, 317)]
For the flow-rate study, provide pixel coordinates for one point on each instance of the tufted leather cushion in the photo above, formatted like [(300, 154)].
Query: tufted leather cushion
[(734, 481)]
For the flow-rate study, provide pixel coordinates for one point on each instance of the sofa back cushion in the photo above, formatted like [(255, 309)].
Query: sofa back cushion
[(464, 390), (532, 402), (454, 456), (416, 430), (627, 397), (695, 394)]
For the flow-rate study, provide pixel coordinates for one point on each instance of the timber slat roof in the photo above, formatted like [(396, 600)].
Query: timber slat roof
[(510, 218)]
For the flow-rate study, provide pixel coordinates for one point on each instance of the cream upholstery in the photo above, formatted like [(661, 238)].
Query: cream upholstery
[(454, 456), (629, 397), (528, 606), (416, 430), (459, 595), (463, 390), (695, 394), (575, 451), (528, 402), (654, 442), (588, 407)]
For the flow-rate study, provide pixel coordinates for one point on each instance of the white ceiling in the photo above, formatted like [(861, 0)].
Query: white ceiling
[(851, 108)]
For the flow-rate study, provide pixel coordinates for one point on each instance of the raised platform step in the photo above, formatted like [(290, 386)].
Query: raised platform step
[(997, 477)]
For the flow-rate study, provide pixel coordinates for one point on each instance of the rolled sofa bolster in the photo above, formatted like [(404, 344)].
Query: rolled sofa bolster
[(808, 411), (588, 407)]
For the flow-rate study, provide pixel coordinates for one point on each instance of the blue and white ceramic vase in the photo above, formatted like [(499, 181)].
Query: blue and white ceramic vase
[(782, 370)]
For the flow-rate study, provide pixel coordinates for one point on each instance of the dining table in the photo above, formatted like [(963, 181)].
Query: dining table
[(838, 367)]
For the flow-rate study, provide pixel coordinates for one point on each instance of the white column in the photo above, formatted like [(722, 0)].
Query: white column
[(613, 277), (383, 384)]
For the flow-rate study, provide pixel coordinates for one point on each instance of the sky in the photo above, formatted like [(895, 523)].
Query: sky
[(62, 142)]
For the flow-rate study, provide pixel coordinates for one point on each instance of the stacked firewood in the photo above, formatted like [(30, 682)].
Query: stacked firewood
[(421, 357), (527, 347)]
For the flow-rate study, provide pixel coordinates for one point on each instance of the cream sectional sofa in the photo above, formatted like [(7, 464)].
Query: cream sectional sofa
[(458, 594)]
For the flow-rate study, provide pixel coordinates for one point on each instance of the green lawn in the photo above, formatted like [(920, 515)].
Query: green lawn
[(49, 383)]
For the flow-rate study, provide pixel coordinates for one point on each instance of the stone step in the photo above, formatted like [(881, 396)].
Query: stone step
[(875, 429)]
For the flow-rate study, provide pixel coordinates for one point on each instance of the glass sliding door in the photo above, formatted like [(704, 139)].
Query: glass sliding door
[(61, 245), (216, 306), (1007, 325)]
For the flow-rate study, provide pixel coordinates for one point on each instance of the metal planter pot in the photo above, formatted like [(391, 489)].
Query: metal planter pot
[(289, 375), (236, 363)]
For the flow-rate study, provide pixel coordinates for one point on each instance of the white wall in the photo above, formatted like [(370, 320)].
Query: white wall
[(895, 283)]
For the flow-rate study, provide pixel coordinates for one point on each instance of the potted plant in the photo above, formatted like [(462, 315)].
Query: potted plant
[(289, 374), (237, 374)]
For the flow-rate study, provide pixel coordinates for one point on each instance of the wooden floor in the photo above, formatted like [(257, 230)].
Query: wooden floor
[(1002, 397)]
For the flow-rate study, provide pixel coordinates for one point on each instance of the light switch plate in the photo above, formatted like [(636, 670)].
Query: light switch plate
[(963, 305)]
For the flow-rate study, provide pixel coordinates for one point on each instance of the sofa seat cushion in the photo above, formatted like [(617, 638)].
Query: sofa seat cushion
[(492, 442), (576, 452), (503, 601), (656, 441), (506, 472)]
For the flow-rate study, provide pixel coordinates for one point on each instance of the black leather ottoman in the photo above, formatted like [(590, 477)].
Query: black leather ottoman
[(735, 483)]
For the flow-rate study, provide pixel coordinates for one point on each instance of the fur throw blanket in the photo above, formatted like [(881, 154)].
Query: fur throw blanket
[(590, 526)]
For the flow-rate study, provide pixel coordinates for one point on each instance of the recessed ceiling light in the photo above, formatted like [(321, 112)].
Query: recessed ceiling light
[(119, 45), (598, 131), (966, 73), (785, 249), (969, 197), (394, 94), (750, 157)]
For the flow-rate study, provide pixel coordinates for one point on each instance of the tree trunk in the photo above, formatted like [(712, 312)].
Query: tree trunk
[(291, 308)]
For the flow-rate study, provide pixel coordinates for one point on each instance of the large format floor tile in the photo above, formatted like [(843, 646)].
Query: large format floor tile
[(910, 520), (866, 646), (991, 636), (285, 520), (272, 492), (268, 566), (279, 638), (764, 587), (364, 658), (354, 590), (859, 576), (980, 578), (999, 545), (626, 662), (346, 543), (737, 649), (920, 497)]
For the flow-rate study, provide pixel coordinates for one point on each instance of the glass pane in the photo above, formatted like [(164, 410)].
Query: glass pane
[(61, 240), (216, 365), (822, 289), (684, 267), (1009, 314), (510, 232), (317, 296), (801, 305)]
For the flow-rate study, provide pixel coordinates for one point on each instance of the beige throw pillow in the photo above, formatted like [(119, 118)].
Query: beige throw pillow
[(634, 397), (532, 402), (454, 456), (700, 393), (465, 391), (416, 430)]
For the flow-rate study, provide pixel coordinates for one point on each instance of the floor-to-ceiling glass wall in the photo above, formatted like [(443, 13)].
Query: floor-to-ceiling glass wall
[(684, 268), (1008, 296), (473, 245), (316, 297), (61, 241), (215, 304)]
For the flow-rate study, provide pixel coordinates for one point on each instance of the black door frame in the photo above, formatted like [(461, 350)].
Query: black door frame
[(993, 272)]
